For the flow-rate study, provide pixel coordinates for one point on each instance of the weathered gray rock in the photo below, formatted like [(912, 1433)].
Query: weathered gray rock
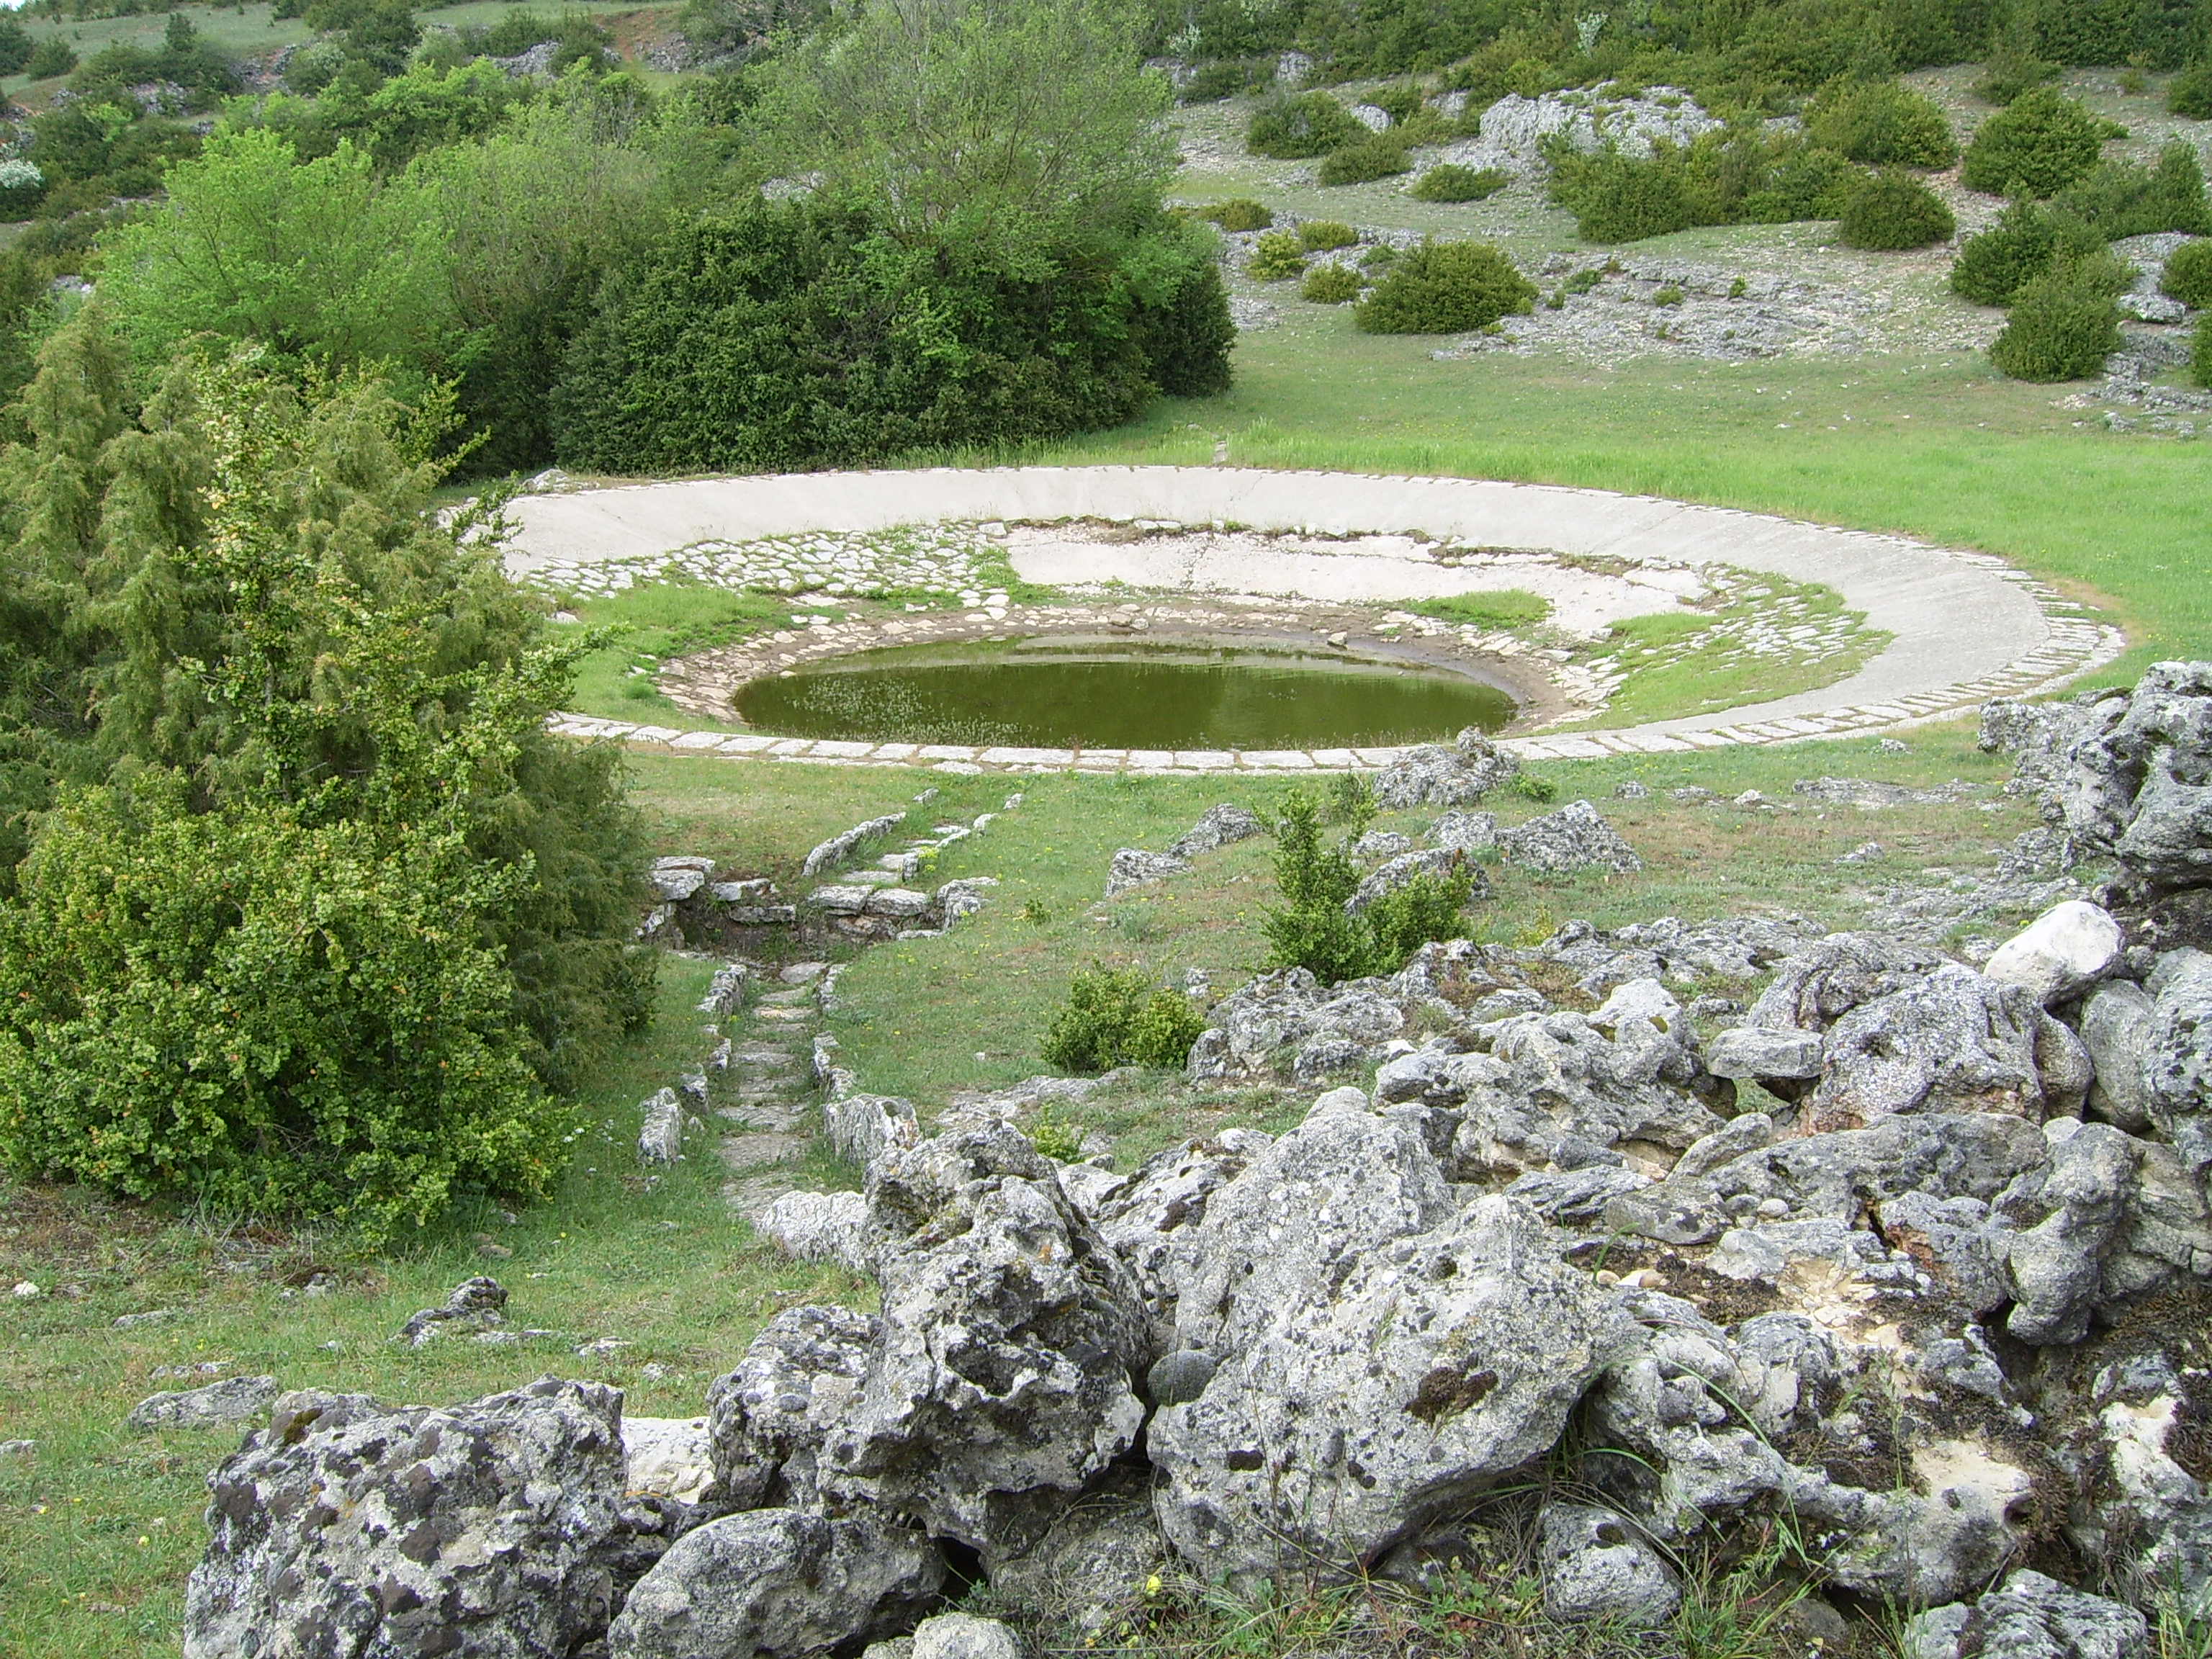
[(1817, 986), (963, 1636), (1575, 837), (1378, 1390), (1434, 774), (1003, 1384), (1151, 1219), (863, 1127), (766, 1419), (1267, 1021), (840, 848), (668, 1456), (2060, 954), (2033, 1617), (1598, 1565), (1090, 1568), (1134, 867), (1377, 845), (489, 1528), (2068, 1214), (1754, 1053), (1179, 1377), (1406, 868), (676, 880), (2130, 780), (2118, 1023), (1220, 826), (819, 1227), (475, 1304), (660, 1133), (1462, 832), (776, 1584), (233, 1399), (2178, 1076)]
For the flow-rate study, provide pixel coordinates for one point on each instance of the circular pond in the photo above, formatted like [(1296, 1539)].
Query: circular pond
[(1064, 693)]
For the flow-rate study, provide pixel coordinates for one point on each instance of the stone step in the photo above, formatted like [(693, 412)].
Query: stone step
[(741, 1153)]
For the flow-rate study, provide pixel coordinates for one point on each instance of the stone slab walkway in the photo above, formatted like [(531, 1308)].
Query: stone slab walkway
[(1965, 627)]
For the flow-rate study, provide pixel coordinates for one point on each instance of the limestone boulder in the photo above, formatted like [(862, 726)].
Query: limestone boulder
[(1150, 1218), (2179, 1075), (1459, 774), (2032, 1617), (2116, 1024), (2061, 954), (1597, 1564), (1575, 837), (1219, 827), (766, 1418), (1404, 868), (1134, 867)]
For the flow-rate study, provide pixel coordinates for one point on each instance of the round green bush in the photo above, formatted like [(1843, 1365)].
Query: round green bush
[(1446, 287), (1276, 258), (2190, 95), (1449, 182), (2036, 146), (1309, 123), (1892, 210), (2063, 323), (1330, 284), (1881, 123), (1325, 235), (1238, 213), (1992, 266), (1376, 156), (2188, 274), (51, 57), (1114, 1018)]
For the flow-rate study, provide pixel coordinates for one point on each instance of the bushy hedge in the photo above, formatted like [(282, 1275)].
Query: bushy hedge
[(1293, 129), (1447, 182), (1378, 155), (1881, 123), (1446, 287), (2188, 274), (795, 336), (1111, 1018), (1330, 285), (2190, 95), (2063, 323), (1276, 258), (1741, 174), (1326, 235), (1238, 213), (2036, 146), (1892, 210), (2124, 198), (1993, 265)]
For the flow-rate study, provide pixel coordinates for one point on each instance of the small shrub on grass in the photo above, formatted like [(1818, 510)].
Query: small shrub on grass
[(1446, 287), (1294, 128), (1112, 1018), (1991, 267), (1619, 198), (1275, 257), (2188, 276), (1376, 157), (1330, 285), (1450, 182), (1881, 123), (1381, 257), (1055, 1137), (1311, 930), (2037, 146), (2063, 323), (1326, 235), (1427, 908), (1891, 210), (1668, 296), (2123, 198), (1238, 213), (2190, 95), (1350, 801), (51, 57), (1529, 787)]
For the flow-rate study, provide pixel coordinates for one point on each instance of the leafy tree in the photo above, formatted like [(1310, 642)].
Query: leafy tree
[(1000, 127), (1377, 155), (379, 32), (52, 56), (15, 46), (2036, 146)]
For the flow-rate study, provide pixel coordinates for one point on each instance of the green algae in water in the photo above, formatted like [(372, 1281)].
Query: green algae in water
[(1063, 693)]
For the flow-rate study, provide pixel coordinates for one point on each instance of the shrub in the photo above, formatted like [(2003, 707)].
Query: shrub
[(2011, 74), (2188, 276), (2063, 323), (2202, 361), (2035, 147), (1669, 296), (1617, 198), (1276, 258), (2190, 94), (1309, 123), (1446, 287), (1993, 265), (1330, 284), (1310, 928), (1111, 1018), (15, 47), (2087, 32), (1326, 235), (1449, 182), (1529, 787), (1225, 77), (21, 185), (51, 57), (1186, 337), (1378, 155), (1892, 209), (2122, 198), (1238, 213), (1881, 123)]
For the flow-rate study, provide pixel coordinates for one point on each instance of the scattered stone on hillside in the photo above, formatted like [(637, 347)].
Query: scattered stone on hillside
[(862, 1127), (1003, 1384), (1767, 1057), (1575, 837), (1512, 130), (1406, 868), (1596, 1565), (233, 1399), (2033, 1617), (1869, 795), (766, 1419), (667, 1456), (778, 1583), (1266, 1022), (1218, 827), (676, 880), (2061, 954), (1438, 775), (660, 1138), (1865, 853), (818, 1227), (1814, 988), (1151, 1217), (725, 994), (1377, 845), (492, 1527), (1134, 867), (841, 847), (963, 1636), (1092, 1567), (476, 1305), (1462, 832)]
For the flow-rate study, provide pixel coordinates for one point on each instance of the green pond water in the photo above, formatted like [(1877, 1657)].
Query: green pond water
[(1062, 693)]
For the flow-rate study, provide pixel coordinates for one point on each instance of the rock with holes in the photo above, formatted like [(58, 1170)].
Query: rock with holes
[(1261, 1027), (1219, 827), (1004, 1381), (2135, 784), (1377, 1389), (767, 1419), (1438, 774), (776, 1583), (1406, 868), (1092, 1567), (1461, 830), (478, 1303), (2061, 954), (2177, 1074), (2033, 1617), (1134, 867), (493, 1527), (1150, 1218), (963, 1636), (1598, 1565), (2067, 1216), (1575, 837), (2117, 1023), (233, 1399), (862, 1127), (818, 1227)]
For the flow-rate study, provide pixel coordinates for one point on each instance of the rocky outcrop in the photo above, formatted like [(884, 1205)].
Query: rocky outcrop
[(2033, 1617), (1438, 775), (233, 1399), (1134, 867), (1575, 837), (1220, 826)]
